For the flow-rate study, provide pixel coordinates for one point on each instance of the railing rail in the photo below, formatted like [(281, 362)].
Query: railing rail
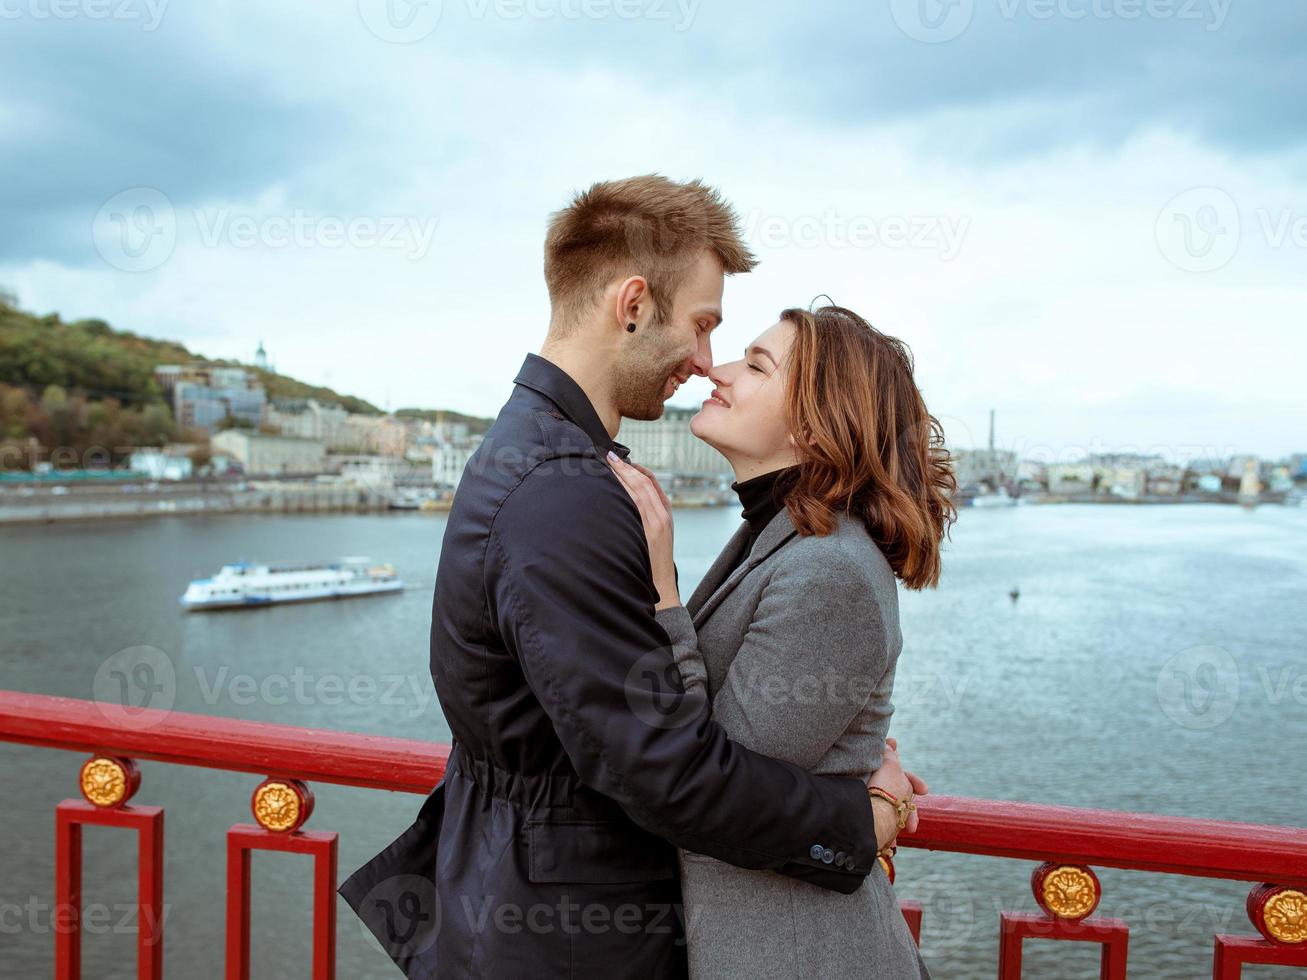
[(1066, 839), (320, 755)]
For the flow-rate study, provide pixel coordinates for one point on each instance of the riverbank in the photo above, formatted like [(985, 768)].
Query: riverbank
[(43, 503)]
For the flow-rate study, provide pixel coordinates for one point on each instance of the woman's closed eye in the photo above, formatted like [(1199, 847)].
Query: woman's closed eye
[(754, 367)]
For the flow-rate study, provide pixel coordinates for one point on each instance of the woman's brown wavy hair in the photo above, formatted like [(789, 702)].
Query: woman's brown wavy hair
[(867, 444)]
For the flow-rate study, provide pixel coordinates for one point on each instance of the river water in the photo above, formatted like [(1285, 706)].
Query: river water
[(1155, 661)]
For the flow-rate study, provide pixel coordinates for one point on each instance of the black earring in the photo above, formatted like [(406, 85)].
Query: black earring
[(630, 328)]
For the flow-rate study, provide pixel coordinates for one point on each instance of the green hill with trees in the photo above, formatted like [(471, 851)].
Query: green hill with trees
[(75, 387)]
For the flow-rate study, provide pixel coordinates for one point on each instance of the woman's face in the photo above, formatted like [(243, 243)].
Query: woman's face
[(745, 418)]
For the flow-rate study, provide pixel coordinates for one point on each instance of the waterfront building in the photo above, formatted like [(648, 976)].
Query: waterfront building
[(309, 418), (264, 455), (170, 462), (991, 468), (449, 459), (1070, 478), (203, 395), (675, 454), (382, 434)]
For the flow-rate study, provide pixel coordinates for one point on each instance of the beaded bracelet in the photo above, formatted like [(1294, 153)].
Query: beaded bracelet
[(901, 807)]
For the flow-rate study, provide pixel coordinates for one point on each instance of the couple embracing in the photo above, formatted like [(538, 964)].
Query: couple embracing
[(640, 785)]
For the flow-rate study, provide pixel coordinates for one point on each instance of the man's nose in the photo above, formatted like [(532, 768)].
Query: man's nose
[(702, 362)]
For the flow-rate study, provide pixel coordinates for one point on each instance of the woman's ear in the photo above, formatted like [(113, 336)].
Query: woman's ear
[(807, 436)]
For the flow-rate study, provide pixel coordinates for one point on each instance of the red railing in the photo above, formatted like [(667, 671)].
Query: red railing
[(1067, 841)]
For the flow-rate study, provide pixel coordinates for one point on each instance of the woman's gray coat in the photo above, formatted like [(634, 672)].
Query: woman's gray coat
[(797, 647)]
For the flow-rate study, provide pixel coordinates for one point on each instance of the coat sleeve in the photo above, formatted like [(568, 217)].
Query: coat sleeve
[(815, 653), (568, 585)]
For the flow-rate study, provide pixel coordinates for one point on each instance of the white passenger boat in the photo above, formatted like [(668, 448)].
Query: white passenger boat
[(262, 584)]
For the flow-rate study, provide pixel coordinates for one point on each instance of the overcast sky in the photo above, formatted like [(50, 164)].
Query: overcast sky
[(1090, 215)]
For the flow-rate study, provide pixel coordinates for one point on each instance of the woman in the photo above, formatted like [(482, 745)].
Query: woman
[(794, 630)]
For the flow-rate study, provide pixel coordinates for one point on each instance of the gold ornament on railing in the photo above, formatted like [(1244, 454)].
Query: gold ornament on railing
[(1066, 891), (108, 781), (887, 863), (1279, 913), (281, 805)]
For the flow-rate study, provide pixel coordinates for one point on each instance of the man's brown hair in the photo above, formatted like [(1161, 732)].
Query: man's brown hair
[(648, 226)]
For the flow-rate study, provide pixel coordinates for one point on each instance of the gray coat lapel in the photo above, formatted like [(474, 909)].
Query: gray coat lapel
[(712, 590), (719, 569)]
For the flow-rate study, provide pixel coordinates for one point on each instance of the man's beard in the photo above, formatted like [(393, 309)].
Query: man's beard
[(642, 377)]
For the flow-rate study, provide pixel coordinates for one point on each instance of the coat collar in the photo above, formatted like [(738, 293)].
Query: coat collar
[(717, 584), (554, 383)]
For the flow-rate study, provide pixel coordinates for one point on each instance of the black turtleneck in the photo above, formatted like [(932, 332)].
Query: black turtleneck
[(762, 498)]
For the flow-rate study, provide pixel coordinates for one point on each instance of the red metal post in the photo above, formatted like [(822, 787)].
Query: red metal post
[(1232, 952), (1113, 934), (912, 912), (147, 821), (244, 838)]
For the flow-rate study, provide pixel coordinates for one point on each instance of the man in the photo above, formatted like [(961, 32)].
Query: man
[(579, 761)]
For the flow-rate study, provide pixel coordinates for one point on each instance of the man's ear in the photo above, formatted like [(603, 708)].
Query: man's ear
[(634, 304)]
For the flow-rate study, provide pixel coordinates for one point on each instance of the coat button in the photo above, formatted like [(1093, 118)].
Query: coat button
[(839, 858), (827, 856), (848, 862), (816, 851)]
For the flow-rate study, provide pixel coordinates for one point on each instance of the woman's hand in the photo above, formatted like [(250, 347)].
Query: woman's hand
[(892, 777), (656, 515)]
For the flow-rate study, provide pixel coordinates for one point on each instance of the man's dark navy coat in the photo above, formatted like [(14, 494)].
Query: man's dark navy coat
[(579, 761)]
